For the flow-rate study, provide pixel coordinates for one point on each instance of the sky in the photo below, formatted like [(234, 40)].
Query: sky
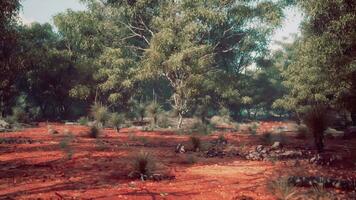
[(42, 11)]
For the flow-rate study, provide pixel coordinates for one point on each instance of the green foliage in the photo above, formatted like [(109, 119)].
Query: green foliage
[(117, 120), (163, 120), (252, 129), (143, 165), (65, 145), (19, 114), (201, 128), (196, 143), (153, 110), (100, 113), (83, 121)]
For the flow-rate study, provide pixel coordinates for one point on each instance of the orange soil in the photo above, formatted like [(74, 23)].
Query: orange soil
[(99, 167)]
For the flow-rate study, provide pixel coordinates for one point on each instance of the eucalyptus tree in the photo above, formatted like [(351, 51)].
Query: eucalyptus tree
[(323, 68), (10, 65)]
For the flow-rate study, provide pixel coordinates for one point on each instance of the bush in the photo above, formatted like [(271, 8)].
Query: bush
[(163, 120), (140, 110), (282, 189), (202, 128), (317, 122), (195, 142), (153, 110), (64, 144), (94, 131), (253, 129), (116, 120), (143, 165), (100, 113), (19, 114), (83, 121)]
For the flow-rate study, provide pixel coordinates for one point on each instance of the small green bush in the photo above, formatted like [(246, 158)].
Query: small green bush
[(202, 128), (65, 145), (253, 129), (19, 115), (83, 121), (116, 120), (143, 165), (163, 120), (153, 110), (195, 142), (94, 131), (100, 113), (140, 110)]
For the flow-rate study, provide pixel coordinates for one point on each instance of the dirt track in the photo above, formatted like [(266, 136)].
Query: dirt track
[(39, 169)]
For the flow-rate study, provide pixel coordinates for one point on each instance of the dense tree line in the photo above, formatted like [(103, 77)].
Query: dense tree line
[(194, 57)]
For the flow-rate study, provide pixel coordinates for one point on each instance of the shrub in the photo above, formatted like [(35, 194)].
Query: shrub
[(282, 189), (317, 122), (100, 113), (202, 128), (195, 142), (163, 121), (153, 110), (140, 110), (83, 121), (94, 131), (253, 129), (143, 165), (64, 144), (116, 120), (236, 126), (19, 114)]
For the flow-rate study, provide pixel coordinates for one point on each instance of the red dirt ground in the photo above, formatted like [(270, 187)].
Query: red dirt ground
[(99, 167)]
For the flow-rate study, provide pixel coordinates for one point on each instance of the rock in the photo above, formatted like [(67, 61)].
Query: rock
[(342, 184), (180, 148), (254, 156), (290, 154), (276, 145), (325, 159), (259, 148)]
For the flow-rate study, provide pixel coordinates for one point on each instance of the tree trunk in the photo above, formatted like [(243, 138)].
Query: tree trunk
[(318, 139), (180, 120)]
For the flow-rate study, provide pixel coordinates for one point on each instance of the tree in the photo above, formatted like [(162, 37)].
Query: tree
[(323, 69), (10, 65)]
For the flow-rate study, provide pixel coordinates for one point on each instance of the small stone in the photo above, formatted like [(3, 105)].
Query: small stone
[(180, 148), (259, 148), (276, 145)]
